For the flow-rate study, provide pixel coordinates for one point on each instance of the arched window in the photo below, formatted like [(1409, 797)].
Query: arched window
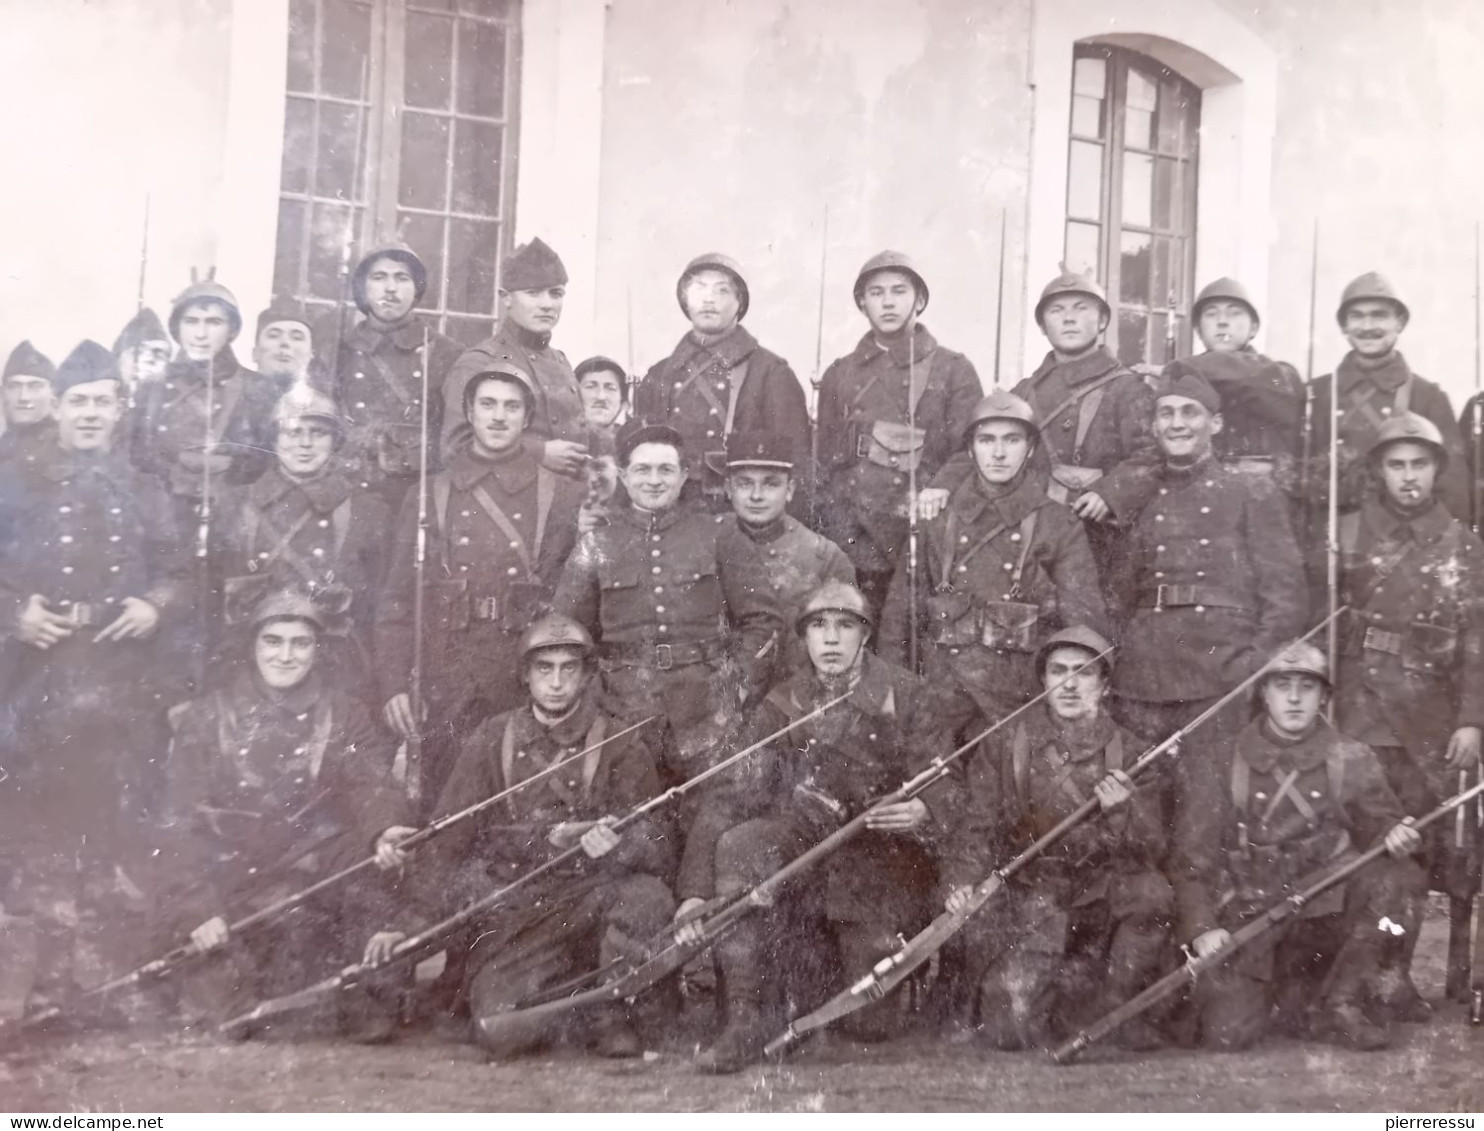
[(1131, 196)]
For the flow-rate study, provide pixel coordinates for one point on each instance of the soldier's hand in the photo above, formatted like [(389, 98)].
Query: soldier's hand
[(389, 856), (958, 898), (1114, 790), (1209, 942), (589, 518), (138, 621), (930, 503), (565, 457), (210, 935), (398, 715), (1463, 748), (379, 947), (1402, 840), (599, 841), (1091, 506), (567, 833), (687, 921), (38, 626), (900, 817)]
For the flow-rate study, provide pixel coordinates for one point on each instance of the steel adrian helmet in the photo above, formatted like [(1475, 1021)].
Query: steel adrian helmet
[(508, 370), (1372, 286), (399, 251), (1077, 636), (1000, 405), (555, 631), (1071, 283), (715, 261), (206, 290), (835, 597), (1225, 289), (891, 261), (1301, 656), (1409, 426)]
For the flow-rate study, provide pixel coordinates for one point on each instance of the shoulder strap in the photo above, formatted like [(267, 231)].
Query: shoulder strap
[(1075, 397), (441, 490), (226, 725), (1350, 533), (1334, 766), (324, 722), (1086, 411), (595, 736), (919, 386), (735, 380), (781, 699), (507, 763), (251, 516), (507, 528), (1027, 536), (1020, 760), (1403, 402), (545, 493), (1113, 753), (1241, 782), (340, 521)]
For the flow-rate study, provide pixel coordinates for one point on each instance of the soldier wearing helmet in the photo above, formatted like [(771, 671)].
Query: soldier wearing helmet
[(500, 525), (794, 793), (1375, 384), (549, 930), (1000, 568), (719, 380), (533, 288), (1296, 799), (1411, 660), (1088, 921), (376, 373), (308, 522), (890, 412), (274, 781)]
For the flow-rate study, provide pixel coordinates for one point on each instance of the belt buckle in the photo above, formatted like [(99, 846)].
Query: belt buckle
[(664, 658), (486, 608), (1380, 640), (862, 445), (1159, 597)]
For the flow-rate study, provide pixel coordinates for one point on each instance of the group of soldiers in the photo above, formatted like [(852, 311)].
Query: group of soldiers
[(268, 623)]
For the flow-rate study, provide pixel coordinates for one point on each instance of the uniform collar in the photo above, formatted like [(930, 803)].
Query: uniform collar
[(648, 520), (1079, 741), (58, 464), (770, 533), (406, 335), (873, 693), (515, 470), (923, 343), (1388, 375), (972, 498), (574, 729), (1425, 526), (324, 492), (297, 700), (1089, 367), (1182, 475), (532, 340), (223, 367), (732, 347), (1266, 753)]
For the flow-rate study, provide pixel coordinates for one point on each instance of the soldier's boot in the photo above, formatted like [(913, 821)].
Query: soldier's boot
[(613, 1035), (1392, 987), (743, 985), (1340, 1017), (1133, 963)]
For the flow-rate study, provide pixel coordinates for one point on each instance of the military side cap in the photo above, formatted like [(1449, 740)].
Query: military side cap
[(555, 631), (1225, 289), (392, 249), (715, 261), (835, 597), (1408, 426), (1000, 405), (507, 369), (202, 291), (1372, 286), (1076, 636), (1071, 283), (1301, 656), (532, 267), (634, 432), (28, 361), (143, 327), (284, 308), (890, 261), (760, 449), (1181, 380), (87, 362)]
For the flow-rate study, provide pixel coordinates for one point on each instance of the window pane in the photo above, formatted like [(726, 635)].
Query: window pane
[(301, 46), (344, 48), (1138, 129), (289, 254), (491, 9), (1162, 281), (1143, 91), (327, 241), (481, 69), (473, 250), (1085, 181), (424, 161), (1159, 343), (429, 59), (298, 144), (1087, 117), (431, 6), (477, 167), (424, 234), (1132, 329), (337, 150), (469, 331), (1082, 248), (1133, 281), (1138, 190), (1178, 110), (1165, 211), (1090, 77)]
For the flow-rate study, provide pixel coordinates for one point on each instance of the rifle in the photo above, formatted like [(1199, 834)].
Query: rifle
[(419, 570), (892, 970), (167, 963), (1270, 919), (1332, 533), (999, 301), (1307, 455), (913, 583), (818, 378), (633, 375), (1478, 421), (675, 954), (342, 273), (426, 942), (139, 296)]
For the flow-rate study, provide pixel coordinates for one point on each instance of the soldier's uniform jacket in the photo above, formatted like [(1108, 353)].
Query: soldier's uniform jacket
[(707, 392), (264, 786), (1283, 814), (558, 414), (1467, 421), (827, 772), (1369, 396), (1262, 412), (1412, 647), (498, 533), (866, 445), (996, 575), (655, 591), (26, 444), (308, 534), (508, 840), (170, 432), (378, 387), (1028, 778), (1094, 417), (1210, 584)]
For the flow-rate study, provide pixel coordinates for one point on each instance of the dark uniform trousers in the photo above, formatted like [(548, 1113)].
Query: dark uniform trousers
[(1085, 927), (499, 532), (1282, 815), (886, 416), (572, 920), (267, 793)]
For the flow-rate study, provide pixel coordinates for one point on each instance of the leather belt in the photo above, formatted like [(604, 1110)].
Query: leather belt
[(665, 656), (1183, 596), (79, 614), (1251, 465)]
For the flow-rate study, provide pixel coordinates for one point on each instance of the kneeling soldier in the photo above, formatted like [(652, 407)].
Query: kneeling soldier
[(273, 783), (793, 794), (1085, 926), (606, 904), (1299, 800)]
